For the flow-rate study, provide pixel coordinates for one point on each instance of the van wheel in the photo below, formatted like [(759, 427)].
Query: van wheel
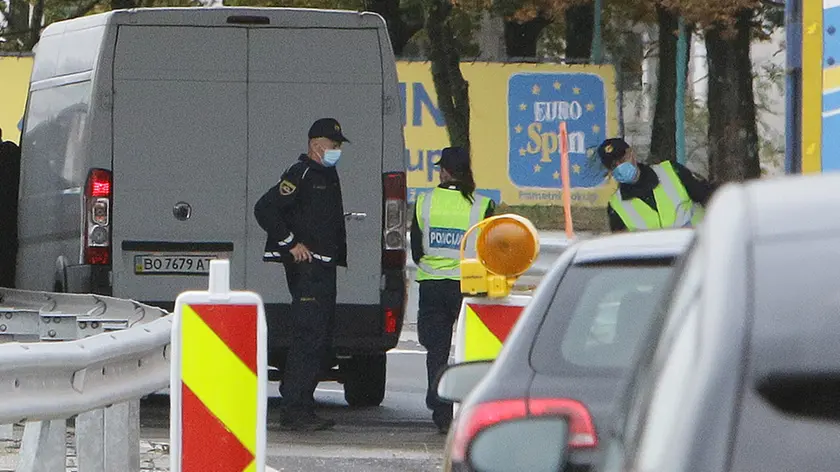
[(364, 380)]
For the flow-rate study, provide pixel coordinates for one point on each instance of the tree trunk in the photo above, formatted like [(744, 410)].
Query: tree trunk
[(733, 137), (450, 86), (579, 30), (401, 25), (521, 38), (663, 142), (35, 25), (17, 23)]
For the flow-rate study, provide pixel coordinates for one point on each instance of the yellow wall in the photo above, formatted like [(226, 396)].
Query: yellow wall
[(14, 87), (515, 115)]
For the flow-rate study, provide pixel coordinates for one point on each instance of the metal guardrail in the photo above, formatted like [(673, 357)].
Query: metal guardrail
[(123, 355)]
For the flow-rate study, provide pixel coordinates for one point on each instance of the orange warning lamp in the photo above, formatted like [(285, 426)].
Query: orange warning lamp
[(506, 247)]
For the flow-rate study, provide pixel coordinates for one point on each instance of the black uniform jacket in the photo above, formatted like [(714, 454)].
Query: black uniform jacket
[(304, 207)]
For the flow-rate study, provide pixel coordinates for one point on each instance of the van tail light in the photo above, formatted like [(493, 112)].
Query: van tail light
[(394, 221), (390, 321), (97, 240), (472, 421), (393, 250)]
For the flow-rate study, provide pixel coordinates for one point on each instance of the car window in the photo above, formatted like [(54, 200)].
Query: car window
[(639, 403), (598, 315)]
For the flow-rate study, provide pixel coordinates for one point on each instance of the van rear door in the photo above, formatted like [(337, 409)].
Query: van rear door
[(297, 75), (179, 158)]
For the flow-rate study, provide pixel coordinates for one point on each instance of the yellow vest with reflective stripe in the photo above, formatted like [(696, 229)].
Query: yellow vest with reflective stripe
[(444, 215), (674, 208)]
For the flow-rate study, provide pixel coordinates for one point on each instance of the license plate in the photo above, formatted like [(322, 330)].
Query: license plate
[(173, 264)]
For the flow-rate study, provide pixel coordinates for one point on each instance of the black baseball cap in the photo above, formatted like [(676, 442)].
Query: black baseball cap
[(612, 150), (454, 159), (327, 128)]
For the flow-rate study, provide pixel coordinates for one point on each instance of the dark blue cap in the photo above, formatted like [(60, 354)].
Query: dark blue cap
[(611, 151), (454, 159), (327, 128)]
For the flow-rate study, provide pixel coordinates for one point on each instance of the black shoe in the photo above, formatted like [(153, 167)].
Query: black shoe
[(309, 422), (442, 419), (443, 428)]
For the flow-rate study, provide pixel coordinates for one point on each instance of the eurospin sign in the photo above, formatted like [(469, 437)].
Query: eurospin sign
[(516, 110), (515, 114)]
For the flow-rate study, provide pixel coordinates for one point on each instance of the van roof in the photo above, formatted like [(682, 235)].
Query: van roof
[(218, 16)]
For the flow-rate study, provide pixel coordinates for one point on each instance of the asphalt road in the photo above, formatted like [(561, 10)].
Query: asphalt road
[(396, 436)]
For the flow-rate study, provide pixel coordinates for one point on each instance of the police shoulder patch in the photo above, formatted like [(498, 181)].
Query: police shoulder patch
[(287, 188)]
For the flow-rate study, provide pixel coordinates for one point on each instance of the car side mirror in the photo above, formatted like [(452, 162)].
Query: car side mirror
[(535, 444), (456, 381)]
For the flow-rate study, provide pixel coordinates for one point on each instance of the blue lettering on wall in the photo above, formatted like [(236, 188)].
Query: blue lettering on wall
[(420, 99), (423, 160)]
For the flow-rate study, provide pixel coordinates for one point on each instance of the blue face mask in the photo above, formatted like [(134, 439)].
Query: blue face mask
[(625, 173), (331, 157)]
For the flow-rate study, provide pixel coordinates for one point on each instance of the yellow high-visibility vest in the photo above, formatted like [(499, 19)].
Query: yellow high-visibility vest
[(444, 215), (674, 208)]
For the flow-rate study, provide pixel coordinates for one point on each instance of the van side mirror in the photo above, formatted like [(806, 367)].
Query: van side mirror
[(535, 444), (456, 381)]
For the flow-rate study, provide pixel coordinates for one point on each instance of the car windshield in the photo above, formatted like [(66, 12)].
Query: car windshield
[(599, 315)]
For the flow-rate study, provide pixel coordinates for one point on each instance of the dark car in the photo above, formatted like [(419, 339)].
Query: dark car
[(743, 369), (572, 346)]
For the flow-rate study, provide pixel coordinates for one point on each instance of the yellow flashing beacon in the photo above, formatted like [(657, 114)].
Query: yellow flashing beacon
[(506, 246)]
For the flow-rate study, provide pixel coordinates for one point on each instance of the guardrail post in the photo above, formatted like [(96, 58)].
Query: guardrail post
[(122, 437), (90, 444), (219, 376), (44, 447), (109, 439)]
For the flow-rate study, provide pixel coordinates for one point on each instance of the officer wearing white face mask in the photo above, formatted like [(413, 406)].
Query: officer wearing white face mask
[(303, 216), (665, 195)]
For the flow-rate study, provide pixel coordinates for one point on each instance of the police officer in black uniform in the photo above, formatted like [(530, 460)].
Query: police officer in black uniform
[(304, 218)]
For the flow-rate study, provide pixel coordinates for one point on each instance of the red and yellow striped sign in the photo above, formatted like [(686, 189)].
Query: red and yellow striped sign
[(219, 386), (484, 324)]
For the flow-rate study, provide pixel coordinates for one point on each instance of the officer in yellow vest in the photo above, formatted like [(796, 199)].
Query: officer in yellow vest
[(441, 217), (665, 195)]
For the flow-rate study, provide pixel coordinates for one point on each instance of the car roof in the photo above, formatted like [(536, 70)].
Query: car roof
[(634, 245), (793, 205)]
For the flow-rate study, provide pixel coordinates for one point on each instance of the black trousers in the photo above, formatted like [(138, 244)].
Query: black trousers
[(313, 289), (439, 305)]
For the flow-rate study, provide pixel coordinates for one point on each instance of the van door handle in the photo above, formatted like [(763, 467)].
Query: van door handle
[(358, 216)]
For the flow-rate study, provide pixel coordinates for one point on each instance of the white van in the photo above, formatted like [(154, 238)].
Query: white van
[(149, 135)]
